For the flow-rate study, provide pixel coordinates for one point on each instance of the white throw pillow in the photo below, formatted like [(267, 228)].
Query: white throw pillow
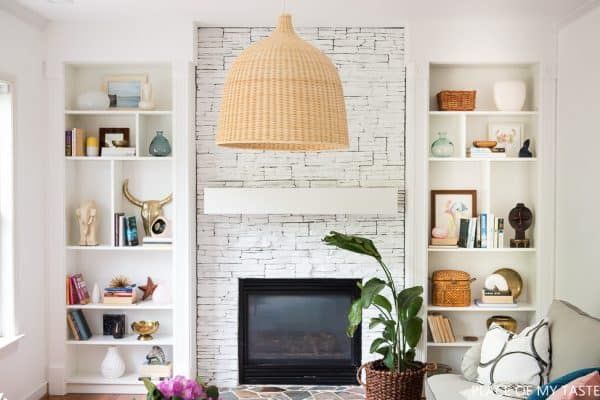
[(470, 362), (510, 358)]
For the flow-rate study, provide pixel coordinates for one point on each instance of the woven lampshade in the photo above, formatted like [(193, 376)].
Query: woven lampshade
[(282, 93)]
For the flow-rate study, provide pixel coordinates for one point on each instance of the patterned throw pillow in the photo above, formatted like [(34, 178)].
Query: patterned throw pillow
[(510, 358)]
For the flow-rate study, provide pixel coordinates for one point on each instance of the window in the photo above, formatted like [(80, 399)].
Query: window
[(7, 282)]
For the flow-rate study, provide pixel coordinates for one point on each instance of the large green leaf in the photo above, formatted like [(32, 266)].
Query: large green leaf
[(370, 290), (389, 333), (212, 392), (414, 327), (388, 360), (414, 306), (376, 344), (354, 317), (376, 321), (409, 355), (405, 297), (352, 243), (382, 302)]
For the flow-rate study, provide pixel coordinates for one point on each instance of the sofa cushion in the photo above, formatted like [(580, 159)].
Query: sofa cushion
[(522, 358), (574, 344)]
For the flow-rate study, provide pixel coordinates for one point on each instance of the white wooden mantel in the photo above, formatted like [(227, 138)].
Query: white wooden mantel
[(305, 201)]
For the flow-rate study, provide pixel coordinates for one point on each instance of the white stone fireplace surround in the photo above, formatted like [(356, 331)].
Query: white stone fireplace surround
[(230, 247)]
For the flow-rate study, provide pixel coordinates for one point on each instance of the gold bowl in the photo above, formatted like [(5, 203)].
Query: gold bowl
[(508, 323), (145, 329)]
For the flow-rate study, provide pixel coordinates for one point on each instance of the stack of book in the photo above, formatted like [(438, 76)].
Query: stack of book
[(440, 329), (156, 371), (119, 295), (78, 325), (485, 232), (484, 152), (126, 232), (75, 142), (494, 298), (444, 242), (118, 151), (77, 292)]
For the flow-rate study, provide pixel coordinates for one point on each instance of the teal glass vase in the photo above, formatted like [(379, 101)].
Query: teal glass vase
[(160, 146), (442, 147)]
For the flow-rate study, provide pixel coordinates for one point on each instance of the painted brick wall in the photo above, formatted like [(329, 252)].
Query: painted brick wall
[(371, 65)]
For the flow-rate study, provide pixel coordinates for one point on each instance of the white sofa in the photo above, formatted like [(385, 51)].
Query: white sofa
[(574, 341)]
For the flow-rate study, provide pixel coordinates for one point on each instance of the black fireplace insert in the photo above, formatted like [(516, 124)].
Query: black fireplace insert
[(293, 331)]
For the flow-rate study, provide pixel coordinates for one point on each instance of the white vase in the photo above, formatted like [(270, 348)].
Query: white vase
[(113, 365), (146, 101), (510, 95), (96, 293), (162, 294), (93, 101)]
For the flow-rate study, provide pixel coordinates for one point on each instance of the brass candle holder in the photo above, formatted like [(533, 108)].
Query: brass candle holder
[(145, 329)]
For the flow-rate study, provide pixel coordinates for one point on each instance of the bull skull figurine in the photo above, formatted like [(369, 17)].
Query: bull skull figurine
[(151, 209)]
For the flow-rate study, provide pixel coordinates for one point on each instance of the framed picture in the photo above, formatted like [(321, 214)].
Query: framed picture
[(110, 135), (124, 91), (449, 206), (508, 135)]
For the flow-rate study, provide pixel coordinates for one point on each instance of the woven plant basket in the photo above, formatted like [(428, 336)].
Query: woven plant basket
[(385, 385)]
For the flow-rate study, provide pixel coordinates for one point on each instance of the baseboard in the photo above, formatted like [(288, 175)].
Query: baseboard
[(39, 393)]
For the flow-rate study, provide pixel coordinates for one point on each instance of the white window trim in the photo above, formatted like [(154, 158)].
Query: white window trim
[(8, 334)]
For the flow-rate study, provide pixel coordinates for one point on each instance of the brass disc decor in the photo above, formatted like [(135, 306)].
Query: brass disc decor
[(282, 93)]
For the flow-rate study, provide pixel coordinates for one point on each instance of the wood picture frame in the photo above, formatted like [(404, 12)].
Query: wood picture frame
[(454, 215), (103, 132)]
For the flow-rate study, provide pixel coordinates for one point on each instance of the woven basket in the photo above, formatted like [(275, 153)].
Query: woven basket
[(451, 288), (456, 100), (385, 385)]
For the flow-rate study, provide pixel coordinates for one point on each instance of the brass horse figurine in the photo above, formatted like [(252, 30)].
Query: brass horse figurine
[(151, 209)]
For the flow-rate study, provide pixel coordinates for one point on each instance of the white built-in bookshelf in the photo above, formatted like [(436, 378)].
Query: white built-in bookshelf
[(100, 179), (500, 184)]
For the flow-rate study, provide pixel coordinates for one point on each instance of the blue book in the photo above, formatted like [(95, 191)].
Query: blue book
[(82, 326), (483, 229)]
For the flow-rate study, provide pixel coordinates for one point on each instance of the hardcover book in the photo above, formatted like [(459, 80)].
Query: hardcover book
[(463, 236), (132, 232), (81, 324), (68, 143), (80, 286)]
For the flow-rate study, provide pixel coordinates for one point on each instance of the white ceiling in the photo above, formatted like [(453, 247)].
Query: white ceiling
[(331, 12)]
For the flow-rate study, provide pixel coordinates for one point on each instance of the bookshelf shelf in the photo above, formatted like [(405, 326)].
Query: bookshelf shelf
[(123, 248), (131, 340), (458, 343), (475, 160), (97, 379), (137, 306), (484, 113), (473, 308), (108, 159), (118, 112), (476, 250)]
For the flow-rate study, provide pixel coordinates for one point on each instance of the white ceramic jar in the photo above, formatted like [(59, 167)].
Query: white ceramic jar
[(510, 95)]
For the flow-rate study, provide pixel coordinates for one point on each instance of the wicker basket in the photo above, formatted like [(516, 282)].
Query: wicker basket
[(456, 100), (385, 385), (451, 288)]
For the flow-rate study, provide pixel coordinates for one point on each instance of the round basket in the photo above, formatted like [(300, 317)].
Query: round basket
[(385, 385)]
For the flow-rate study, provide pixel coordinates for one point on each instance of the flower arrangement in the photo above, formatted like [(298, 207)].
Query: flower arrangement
[(180, 388)]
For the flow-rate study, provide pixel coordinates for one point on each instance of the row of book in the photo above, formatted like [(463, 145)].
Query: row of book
[(440, 329), (483, 152), (78, 326), (77, 292), (126, 232), (75, 142), (120, 295), (485, 231)]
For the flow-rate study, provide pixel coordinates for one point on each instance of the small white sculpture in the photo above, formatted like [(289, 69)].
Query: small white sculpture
[(146, 101), (88, 224)]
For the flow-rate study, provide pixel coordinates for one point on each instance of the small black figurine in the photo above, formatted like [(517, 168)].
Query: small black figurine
[(524, 152)]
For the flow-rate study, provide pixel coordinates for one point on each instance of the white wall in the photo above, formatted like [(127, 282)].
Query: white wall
[(578, 276), (22, 367)]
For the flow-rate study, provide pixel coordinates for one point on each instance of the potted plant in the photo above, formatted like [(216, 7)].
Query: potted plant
[(180, 388), (397, 375)]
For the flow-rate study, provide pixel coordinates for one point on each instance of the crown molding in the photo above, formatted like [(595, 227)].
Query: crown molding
[(24, 14), (579, 12)]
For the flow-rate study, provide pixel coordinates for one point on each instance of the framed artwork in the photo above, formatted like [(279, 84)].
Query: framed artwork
[(110, 135), (508, 135), (124, 91), (449, 206)]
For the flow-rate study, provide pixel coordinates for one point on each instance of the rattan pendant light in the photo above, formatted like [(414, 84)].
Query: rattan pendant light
[(282, 93)]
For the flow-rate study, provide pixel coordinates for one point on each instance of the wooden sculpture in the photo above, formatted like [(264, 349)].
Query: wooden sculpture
[(87, 215)]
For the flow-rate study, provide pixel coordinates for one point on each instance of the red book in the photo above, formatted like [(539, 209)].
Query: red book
[(80, 288)]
